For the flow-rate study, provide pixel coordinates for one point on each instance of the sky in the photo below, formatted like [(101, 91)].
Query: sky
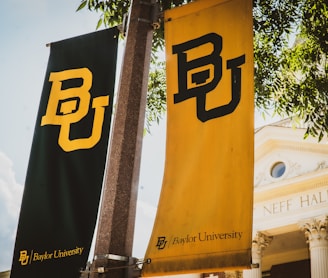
[(25, 29)]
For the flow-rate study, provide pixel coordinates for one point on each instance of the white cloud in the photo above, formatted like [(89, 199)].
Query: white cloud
[(10, 200)]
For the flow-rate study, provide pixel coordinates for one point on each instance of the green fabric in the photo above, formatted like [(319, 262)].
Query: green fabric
[(62, 188)]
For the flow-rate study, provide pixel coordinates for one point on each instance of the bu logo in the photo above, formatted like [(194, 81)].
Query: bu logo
[(68, 106), (187, 67), (161, 242)]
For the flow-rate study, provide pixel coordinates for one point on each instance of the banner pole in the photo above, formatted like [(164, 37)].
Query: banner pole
[(118, 208)]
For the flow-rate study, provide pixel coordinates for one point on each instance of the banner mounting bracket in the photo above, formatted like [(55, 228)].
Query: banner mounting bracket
[(155, 14), (112, 257), (133, 263)]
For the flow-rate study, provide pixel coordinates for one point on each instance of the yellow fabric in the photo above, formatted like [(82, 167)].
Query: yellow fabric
[(204, 217)]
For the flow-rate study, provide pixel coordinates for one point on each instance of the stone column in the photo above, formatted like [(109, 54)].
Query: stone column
[(260, 242), (317, 236), (114, 241)]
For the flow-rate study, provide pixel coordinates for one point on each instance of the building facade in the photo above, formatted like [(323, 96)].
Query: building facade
[(290, 204)]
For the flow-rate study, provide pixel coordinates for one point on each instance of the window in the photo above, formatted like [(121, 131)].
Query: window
[(278, 169)]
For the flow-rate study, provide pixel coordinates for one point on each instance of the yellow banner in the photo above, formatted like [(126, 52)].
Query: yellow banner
[(204, 217)]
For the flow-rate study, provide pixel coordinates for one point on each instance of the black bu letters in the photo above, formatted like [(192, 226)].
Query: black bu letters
[(200, 78)]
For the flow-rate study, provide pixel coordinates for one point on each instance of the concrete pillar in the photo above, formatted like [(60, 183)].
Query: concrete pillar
[(117, 215), (317, 236), (260, 242)]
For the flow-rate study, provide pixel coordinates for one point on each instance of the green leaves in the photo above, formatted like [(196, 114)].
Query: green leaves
[(156, 96), (82, 5), (302, 73), (111, 11)]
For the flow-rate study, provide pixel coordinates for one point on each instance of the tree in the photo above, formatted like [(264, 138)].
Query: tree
[(291, 80)]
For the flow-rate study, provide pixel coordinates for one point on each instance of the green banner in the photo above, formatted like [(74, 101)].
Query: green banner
[(68, 157)]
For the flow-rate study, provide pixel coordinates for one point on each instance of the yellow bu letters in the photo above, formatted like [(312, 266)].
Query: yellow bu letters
[(71, 110)]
